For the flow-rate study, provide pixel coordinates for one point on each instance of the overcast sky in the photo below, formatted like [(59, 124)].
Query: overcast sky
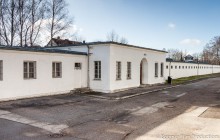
[(182, 24)]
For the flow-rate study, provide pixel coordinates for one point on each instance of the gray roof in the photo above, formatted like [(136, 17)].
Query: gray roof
[(44, 50), (110, 42)]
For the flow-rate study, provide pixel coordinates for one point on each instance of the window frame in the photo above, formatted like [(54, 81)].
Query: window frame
[(78, 68), (26, 70), (161, 69), (54, 70), (98, 75), (128, 70), (118, 70), (156, 69)]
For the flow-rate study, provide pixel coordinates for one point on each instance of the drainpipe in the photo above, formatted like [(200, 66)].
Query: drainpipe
[(88, 64)]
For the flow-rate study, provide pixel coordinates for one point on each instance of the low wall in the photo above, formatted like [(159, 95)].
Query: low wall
[(183, 69)]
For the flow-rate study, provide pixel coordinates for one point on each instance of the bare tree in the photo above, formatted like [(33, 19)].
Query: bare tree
[(114, 37), (8, 18), (123, 40), (211, 52), (175, 54), (58, 17)]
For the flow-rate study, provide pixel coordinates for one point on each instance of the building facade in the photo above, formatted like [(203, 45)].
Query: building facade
[(100, 66)]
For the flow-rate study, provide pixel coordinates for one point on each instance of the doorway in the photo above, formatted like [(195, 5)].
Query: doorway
[(143, 72)]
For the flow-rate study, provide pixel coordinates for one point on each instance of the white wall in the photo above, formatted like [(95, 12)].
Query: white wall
[(100, 53), (190, 69), (126, 54), (15, 86)]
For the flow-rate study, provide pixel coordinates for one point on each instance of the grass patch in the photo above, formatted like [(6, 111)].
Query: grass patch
[(193, 78)]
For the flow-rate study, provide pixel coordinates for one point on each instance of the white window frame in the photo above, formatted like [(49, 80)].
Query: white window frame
[(97, 70), (78, 67), (26, 71), (56, 69), (1, 70), (161, 69), (118, 70), (156, 69), (128, 70)]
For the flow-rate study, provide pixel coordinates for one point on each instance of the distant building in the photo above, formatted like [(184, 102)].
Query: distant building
[(62, 42), (188, 58)]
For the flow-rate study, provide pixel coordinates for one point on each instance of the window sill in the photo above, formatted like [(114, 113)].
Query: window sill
[(118, 79), (128, 78), (97, 79), (30, 78), (57, 77)]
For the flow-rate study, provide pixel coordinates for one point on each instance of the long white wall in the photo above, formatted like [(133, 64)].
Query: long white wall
[(14, 86), (182, 69)]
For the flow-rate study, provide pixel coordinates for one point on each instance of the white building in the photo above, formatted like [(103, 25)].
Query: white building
[(109, 67)]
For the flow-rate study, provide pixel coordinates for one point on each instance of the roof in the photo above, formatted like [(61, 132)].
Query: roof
[(28, 49), (59, 42), (189, 56), (110, 42)]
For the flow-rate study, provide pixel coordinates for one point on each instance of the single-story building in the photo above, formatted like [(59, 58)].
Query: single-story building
[(100, 66)]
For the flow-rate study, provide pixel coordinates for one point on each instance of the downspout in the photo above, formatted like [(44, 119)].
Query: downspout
[(88, 64)]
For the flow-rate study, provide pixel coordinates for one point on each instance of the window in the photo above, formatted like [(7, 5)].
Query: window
[(30, 70), (167, 66), (78, 66), (175, 67), (171, 67), (183, 67), (118, 70), (179, 67), (97, 70), (161, 69), (156, 69), (128, 70), (1, 70), (57, 69)]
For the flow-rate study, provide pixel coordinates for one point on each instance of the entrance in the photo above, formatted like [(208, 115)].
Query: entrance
[(143, 72)]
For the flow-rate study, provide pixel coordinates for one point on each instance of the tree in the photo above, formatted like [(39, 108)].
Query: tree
[(114, 37), (176, 54), (9, 22), (211, 52), (58, 17), (22, 21)]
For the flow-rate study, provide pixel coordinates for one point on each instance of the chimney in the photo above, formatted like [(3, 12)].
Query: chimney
[(58, 37), (84, 42)]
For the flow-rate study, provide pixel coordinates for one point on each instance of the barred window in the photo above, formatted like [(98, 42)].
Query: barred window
[(1, 70), (97, 69), (30, 70), (128, 70), (56, 69), (156, 69), (118, 70)]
